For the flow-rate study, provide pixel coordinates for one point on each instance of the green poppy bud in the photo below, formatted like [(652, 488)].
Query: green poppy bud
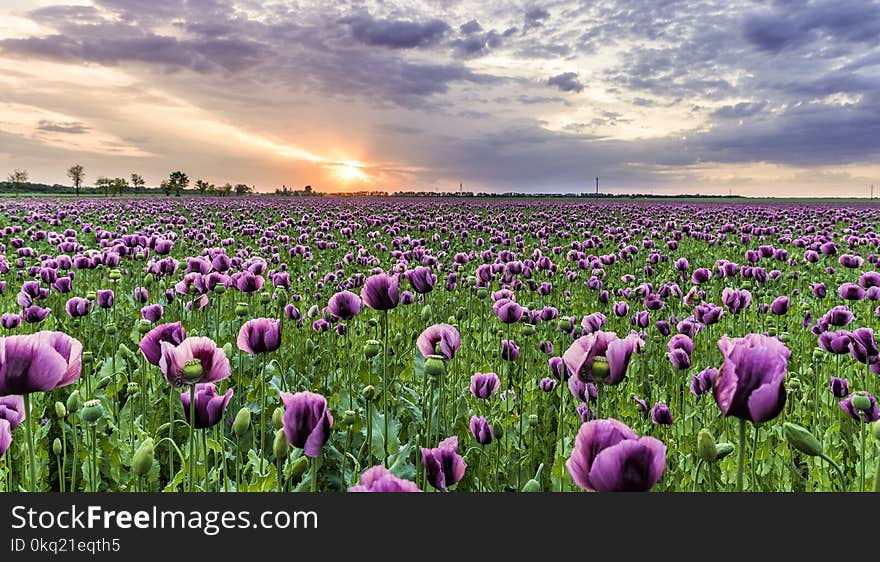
[(801, 439), (192, 370), (723, 449), (241, 309), (369, 393), (372, 348), (818, 354), (60, 410), (143, 326), (143, 458), (110, 328), (140, 256), (426, 313), (280, 446), (310, 347), (149, 278), (861, 402), (785, 337), (104, 381), (434, 366), (92, 411), (482, 293), (219, 288), (56, 446), (278, 417), (91, 295), (875, 430), (242, 422), (300, 466), (498, 431), (706, 446), (600, 368), (460, 313), (114, 275), (127, 353), (794, 384), (265, 298), (532, 486), (73, 400)]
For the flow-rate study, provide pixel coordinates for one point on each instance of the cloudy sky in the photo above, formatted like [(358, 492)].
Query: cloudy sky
[(672, 96)]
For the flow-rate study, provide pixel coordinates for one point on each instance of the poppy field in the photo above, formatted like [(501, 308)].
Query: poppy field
[(392, 345)]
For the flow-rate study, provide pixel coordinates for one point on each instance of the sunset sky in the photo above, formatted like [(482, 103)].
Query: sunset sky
[(766, 98)]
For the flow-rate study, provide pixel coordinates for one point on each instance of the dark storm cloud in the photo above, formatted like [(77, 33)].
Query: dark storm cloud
[(535, 17), (740, 110), (472, 26), (567, 82), (396, 34), (70, 127), (476, 44)]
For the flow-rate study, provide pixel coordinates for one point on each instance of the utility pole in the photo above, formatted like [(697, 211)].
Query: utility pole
[(597, 186), (872, 191)]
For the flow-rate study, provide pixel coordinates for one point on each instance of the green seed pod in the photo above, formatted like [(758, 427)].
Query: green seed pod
[(450, 319), (192, 370), (310, 347), (801, 439), (56, 446), (785, 337), (127, 353), (91, 295), (369, 393), (373, 322), (280, 446), (140, 256), (149, 278), (875, 431), (114, 275), (60, 410), (460, 313), (434, 366), (104, 381), (143, 458), (533, 420), (110, 329), (498, 431), (794, 384), (300, 466), (818, 354), (132, 388), (87, 358), (482, 293), (278, 418), (92, 411), (372, 348), (73, 400), (706, 446), (241, 309), (532, 486), (350, 417), (861, 402), (723, 449), (280, 296), (242, 422), (426, 313), (265, 298), (143, 326), (219, 288), (528, 330), (600, 368)]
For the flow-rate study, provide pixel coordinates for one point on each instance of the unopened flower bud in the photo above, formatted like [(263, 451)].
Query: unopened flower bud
[(110, 328), (143, 326), (532, 486), (280, 446), (801, 439), (242, 422), (278, 418), (310, 347), (706, 446), (73, 400), (143, 458), (56, 446), (528, 330), (300, 465), (426, 313), (723, 449), (60, 410)]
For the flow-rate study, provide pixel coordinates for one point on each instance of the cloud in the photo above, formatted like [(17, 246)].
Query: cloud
[(567, 82), (472, 26), (535, 17), (740, 110), (396, 34), (70, 127)]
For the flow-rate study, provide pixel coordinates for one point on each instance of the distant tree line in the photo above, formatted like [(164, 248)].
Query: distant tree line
[(177, 183)]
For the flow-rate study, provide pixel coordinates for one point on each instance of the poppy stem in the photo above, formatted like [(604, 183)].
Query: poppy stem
[(170, 432), (385, 389), (30, 440), (741, 455), (864, 456), (192, 432), (314, 475)]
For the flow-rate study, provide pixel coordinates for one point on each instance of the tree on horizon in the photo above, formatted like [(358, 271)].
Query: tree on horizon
[(76, 173)]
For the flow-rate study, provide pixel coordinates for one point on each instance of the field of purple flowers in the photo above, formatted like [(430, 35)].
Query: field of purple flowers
[(264, 344)]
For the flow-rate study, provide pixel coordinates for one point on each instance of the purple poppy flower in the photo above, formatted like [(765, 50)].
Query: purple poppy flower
[(442, 339), (863, 347), (546, 346), (708, 313), (63, 285), (702, 382), (209, 405), (679, 359), (736, 300), (10, 321), (839, 387), (481, 430), (152, 313), (421, 279), (380, 291), (307, 421), (608, 456), (151, 344), (819, 290), (141, 295), (585, 413), (593, 322), (508, 311), (851, 292), (750, 384), (443, 465), (605, 347), (509, 350), (835, 342), (557, 368), (78, 307), (661, 414), (484, 385), (38, 362), (780, 305), (201, 351), (260, 335), (866, 415), (380, 479), (105, 298), (642, 405), (583, 391), (839, 316), (547, 384), (12, 410), (345, 305), (247, 282), (641, 319), (35, 314), (621, 309)]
